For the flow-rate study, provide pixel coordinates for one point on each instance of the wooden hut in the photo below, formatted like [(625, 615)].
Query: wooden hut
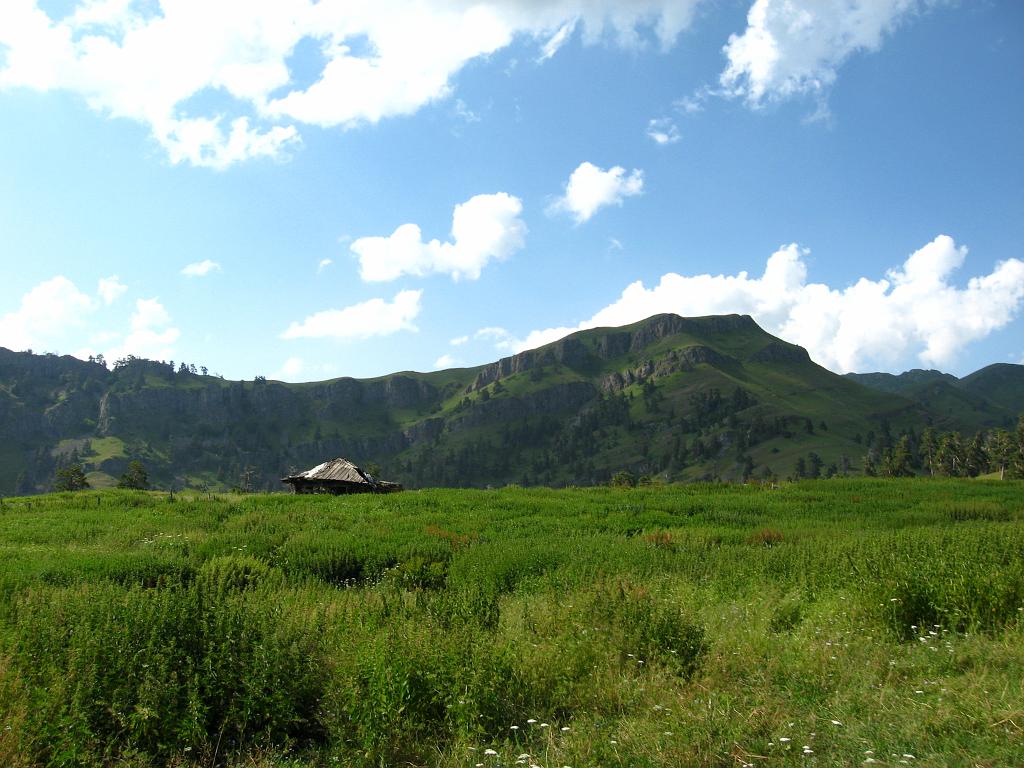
[(338, 476)]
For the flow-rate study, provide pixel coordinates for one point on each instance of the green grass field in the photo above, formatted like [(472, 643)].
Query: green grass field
[(827, 623)]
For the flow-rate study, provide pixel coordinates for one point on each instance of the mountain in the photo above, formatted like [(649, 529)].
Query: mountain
[(682, 398), (901, 384), (990, 397), (1001, 383)]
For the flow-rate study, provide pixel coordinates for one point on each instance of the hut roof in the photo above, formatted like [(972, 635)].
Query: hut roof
[(341, 470)]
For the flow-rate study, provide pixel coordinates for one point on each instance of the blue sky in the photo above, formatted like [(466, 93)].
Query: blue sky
[(257, 187)]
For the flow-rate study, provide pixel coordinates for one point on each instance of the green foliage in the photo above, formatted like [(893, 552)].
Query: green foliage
[(668, 398), (135, 477), (624, 479), (70, 478), (419, 628), (112, 672)]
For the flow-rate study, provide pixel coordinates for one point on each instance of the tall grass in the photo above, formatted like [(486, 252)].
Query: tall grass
[(692, 625)]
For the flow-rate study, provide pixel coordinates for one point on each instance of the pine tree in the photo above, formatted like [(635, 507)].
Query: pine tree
[(1000, 448), (800, 470), (71, 478), (135, 477), (949, 457), (975, 458), (1017, 463)]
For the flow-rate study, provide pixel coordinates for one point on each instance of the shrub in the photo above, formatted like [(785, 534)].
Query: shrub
[(113, 672), (71, 479), (787, 614), (766, 537), (660, 540), (623, 479), (135, 478), (651, 629)]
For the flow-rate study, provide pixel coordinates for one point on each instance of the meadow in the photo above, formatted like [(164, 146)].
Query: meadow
[(838, 622)]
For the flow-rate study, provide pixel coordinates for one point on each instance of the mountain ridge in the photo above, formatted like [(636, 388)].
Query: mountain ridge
[(682, 398)]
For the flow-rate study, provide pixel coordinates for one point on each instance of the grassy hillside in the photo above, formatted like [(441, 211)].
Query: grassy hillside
[(1001, 383), (675, 398), (813, 624), (990, 397)]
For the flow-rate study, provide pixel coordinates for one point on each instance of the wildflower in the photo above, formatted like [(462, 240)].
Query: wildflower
[(490, 752), (544, 725), (836, 722), (531, 721), (784, 739), (514, 727), (565, 728)]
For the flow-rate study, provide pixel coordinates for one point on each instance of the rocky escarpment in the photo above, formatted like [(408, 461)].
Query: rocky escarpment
[(780, 352), (609, 344), (555, 399), (674, 361)]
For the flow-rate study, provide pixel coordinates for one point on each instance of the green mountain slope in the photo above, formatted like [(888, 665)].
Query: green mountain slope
[(990, 397), (901, 384), (1001, 383), (681, 398)]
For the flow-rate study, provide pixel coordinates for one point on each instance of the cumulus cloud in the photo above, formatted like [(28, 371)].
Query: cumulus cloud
[(382, 58), (291, 369), (915, 310), (200, 268), (150, 333), (110, 289), (446, 361), (45, 314), (663, 131), (590, 188), (458, 341), (365, 320), (485, 227), (793, 47)]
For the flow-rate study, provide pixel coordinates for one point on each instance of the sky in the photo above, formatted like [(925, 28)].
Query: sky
[(303, 190)]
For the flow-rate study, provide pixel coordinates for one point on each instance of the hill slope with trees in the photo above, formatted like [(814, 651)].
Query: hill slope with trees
[(669, 397)]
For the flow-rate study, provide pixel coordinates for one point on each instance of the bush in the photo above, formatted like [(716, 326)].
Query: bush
[(71, 479), (135, 478), (624, 479), (766, 537), (114, 672)]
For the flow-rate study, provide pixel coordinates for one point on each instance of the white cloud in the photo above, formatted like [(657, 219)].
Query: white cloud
[(663, 131), (446, 361), (557, 40), (150, 335), (793, 47), (110, 289), (493, 333), (375, 317), (874, 324), (485, 227), (463, 111), (296, 369), (324, 264), (459, 341), (291, 369), (201, 268), (383, 58), (45, 314), (590, 188), (692, 104)]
